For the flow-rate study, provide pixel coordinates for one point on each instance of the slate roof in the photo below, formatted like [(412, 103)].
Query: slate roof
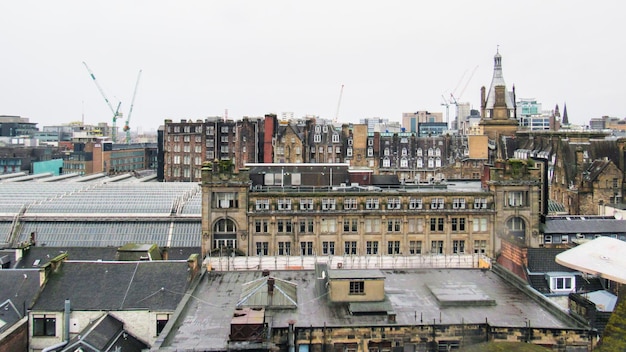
[(19, 287), (105, 334), (45, 254), (588, 225), (596, 168), (542, 260), (112, 286)]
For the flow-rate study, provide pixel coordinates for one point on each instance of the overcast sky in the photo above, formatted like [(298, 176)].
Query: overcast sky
[(201, 58)]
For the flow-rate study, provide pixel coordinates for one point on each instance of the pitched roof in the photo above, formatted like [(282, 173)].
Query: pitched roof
[(542, 260), (154, 285), (587, 225), (105, 334), (18, 287), (39, 256)]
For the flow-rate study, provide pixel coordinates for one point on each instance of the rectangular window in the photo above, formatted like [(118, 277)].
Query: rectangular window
[(480, 246), (547, 239), (284, 226), (436, 224), (479, 225), (262, 248), (349, 204), (44, 325), (371, 247), (415, 203), (306, 248), (371, 203), (350, 224), (329, 225), (260, 226), (328, 248), (284, 204), (458, 203), (357, 287), (225, 200), (564, 238), (561, 283), (436, 203), (436, 247), (350, 247), (457, 224), (394, 225), (480, 203), (393, 203), (516, 199), (393, 247), (372, 225), (306, 225), (415, 247), (161, 321), (416, 225), (262, 204), (306, 204), (328, 203), (284, 248), (458, 246)]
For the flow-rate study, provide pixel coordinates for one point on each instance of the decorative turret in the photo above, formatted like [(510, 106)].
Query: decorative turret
[(498, 105)]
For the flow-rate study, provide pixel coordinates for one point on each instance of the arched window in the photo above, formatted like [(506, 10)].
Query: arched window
[(225, 234), (516, 227)]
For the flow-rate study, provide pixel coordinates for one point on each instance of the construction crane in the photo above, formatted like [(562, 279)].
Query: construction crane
[(116, 112), (447, 105), (130, 111), (338, 105)]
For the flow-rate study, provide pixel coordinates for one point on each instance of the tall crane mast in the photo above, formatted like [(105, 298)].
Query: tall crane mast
[(130, 111), (338, 105), (116, 112)]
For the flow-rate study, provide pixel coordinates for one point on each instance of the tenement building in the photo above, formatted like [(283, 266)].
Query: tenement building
[(332, 209)]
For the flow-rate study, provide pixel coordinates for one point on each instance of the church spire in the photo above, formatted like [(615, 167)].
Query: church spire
[(565, 119)]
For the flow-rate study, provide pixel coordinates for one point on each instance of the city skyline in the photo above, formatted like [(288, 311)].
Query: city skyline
[(203, 59)]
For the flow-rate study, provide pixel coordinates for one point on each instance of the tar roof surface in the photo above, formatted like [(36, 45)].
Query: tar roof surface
[(206, 324)]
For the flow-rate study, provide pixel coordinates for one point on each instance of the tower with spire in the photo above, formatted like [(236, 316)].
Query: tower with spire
[(498, 105), (565, 120)]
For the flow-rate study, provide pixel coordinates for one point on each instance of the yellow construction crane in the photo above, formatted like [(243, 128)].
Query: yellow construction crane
[(130, 111)]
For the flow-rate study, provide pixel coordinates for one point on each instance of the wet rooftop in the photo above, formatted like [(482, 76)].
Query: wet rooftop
[(206, 320)]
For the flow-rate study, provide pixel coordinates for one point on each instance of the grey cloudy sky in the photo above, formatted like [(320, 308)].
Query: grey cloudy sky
[(200, 58)]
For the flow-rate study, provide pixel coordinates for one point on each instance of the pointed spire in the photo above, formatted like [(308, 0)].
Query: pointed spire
[(565, 119), (557, 113)]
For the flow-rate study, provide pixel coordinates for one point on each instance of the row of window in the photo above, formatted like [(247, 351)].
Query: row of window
[(45, 324), (262, 248), (210, 130), (414, 225), (392, 203)]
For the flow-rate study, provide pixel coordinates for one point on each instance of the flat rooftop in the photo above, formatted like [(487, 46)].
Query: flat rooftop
[(205, 323)]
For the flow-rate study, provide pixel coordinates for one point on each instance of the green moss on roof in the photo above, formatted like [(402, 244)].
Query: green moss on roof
[(614, 336)]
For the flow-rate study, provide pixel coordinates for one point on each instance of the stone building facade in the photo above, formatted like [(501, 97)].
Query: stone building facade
[(310, 210)]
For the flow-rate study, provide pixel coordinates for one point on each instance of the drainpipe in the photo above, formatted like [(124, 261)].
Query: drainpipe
[(66, 329), (291, 337)]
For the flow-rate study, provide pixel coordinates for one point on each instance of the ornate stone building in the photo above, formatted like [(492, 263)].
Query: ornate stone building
[(330, 209)]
